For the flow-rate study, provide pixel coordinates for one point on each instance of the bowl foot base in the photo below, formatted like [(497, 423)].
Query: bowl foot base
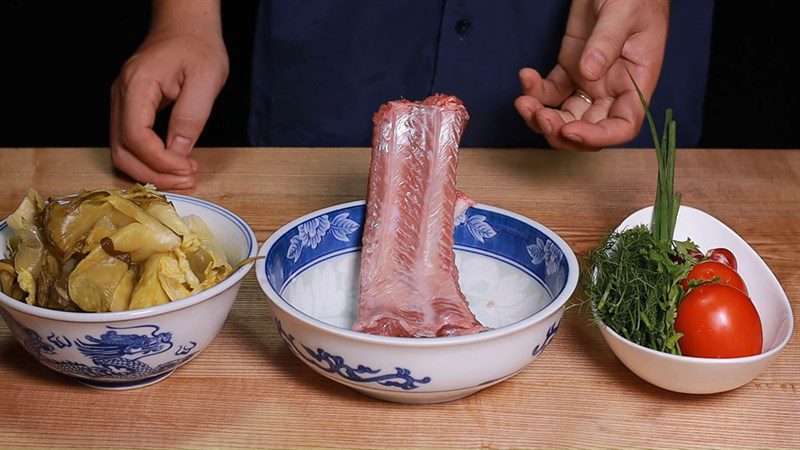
[(124, 385), (421, 397)]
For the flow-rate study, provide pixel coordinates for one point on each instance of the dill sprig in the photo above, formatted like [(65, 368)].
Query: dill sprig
[(635, 286)]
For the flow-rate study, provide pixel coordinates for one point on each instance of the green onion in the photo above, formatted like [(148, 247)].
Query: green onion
[(668, 202)]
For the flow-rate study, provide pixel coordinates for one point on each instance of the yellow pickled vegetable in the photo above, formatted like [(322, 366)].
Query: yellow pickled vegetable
[(108, 250)]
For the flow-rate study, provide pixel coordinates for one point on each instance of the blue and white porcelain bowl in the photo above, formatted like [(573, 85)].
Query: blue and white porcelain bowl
[(130, 349), (516, 274)]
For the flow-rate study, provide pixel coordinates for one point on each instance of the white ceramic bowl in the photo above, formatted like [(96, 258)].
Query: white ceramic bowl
[(692, 375), (517, 276), (130, 349)]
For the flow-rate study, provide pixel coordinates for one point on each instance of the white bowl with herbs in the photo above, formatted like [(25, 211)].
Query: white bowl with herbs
[(682, 319), (707, 375)]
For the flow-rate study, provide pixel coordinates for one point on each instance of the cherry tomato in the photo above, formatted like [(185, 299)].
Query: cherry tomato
[(708, 270), (696, 254), (724, 256), (718, 321)]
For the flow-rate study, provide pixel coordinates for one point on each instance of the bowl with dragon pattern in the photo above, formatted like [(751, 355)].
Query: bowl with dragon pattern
[(135, 348), (516, 274)]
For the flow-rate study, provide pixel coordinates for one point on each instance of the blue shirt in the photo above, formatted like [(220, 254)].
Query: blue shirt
[(321, 68)]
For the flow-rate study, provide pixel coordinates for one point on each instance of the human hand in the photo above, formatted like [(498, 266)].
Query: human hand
[(184, 62), (598, 104)]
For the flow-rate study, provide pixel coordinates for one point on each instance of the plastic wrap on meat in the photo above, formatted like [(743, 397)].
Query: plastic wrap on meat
[(409, 280)]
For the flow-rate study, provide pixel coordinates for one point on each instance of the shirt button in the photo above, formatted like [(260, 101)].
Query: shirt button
[(463, 26)]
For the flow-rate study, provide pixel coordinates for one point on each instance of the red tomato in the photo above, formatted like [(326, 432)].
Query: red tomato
[(708, 270), (718, 321), (724, 256)]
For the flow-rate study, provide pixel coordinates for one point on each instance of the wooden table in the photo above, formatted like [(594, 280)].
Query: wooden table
[(247, 389)]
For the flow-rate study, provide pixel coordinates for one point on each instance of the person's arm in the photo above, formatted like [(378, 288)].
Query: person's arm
[(182, 60), (587, 101)]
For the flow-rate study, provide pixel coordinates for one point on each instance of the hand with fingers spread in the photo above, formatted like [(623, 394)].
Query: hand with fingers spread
[(587, 101), (182, 60)]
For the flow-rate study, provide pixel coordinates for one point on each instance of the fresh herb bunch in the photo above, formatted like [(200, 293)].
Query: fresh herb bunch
[(632, 283)]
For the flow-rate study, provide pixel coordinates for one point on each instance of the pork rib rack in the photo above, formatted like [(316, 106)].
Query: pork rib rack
[(409, 280)]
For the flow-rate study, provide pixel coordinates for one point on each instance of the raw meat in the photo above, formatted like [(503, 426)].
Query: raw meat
[(409, 280), (463, 203)]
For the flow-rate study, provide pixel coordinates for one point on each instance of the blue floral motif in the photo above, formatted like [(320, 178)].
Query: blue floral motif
[(342, 227), (477, 226), (115, 355), (311, 233), (551, 332), (547, 253), (402, 377)]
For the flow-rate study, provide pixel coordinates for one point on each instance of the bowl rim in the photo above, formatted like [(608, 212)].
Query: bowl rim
[(88, 317), (719, 361), (552, 308)]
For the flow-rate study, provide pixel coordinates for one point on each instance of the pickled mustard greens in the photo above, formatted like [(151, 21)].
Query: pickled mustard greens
[(108, 250)]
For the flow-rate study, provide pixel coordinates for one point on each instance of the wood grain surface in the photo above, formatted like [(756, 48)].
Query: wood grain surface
[(247, 389)]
